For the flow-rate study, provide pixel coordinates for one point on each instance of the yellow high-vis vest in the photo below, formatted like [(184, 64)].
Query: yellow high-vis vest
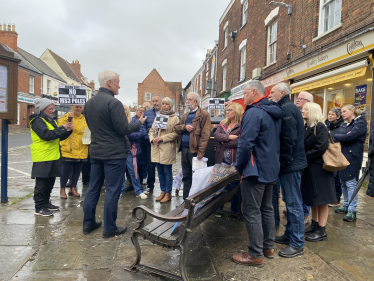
[(42, 150)]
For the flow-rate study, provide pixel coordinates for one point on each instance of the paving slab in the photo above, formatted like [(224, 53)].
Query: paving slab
[(24, 234), (63, 275), (354, 269)]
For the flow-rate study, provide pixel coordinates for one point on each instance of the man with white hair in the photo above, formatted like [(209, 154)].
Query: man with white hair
[(194, 132), (108, 124), (302, 99), (293, 161)]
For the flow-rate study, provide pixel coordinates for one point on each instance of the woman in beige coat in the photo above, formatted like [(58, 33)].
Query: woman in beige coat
[(163, 149)]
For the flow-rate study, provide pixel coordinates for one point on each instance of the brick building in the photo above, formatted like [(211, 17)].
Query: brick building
[(154, 84), (29, 77)]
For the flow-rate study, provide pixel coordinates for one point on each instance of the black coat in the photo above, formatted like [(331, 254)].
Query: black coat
[(352, 137), (108, 124), (47, 169), (317, 185), (334, 127), (292, 154)]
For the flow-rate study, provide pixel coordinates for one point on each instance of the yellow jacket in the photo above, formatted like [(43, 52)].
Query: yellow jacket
[(73, 147)]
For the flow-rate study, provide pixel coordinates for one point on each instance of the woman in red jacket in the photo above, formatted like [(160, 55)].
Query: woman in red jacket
[(227, 136)]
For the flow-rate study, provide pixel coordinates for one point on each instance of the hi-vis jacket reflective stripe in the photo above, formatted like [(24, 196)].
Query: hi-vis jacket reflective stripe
[(42, 150)]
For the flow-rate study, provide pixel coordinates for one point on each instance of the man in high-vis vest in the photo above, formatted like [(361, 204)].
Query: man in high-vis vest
[(45, 154)]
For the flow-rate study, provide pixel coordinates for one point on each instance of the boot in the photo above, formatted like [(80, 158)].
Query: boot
[(167, 198), (63, 194), (162, 195), (319, 235), (312, 227), (73, 192)]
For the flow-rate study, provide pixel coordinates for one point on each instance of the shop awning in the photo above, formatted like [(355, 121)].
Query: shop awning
[(331, 80)]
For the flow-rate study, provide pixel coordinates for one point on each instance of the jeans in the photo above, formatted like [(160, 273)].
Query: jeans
[(151, 169), (42, 191), (276, 192), (258, 214), (72, 170), (306, 210), (338, 187), (112, 171), (187, 170), (348, 187), (165, 175), (290, 184), (135, 182)]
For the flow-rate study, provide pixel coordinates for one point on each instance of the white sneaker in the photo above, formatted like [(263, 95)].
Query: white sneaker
[(144, 182), (142, 196)]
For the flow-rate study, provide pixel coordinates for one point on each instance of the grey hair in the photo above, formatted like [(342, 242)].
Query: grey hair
[(255, 84), (337, 111), (107, 75), (308, 96), (283, 87), (197, 96), (157, 95)]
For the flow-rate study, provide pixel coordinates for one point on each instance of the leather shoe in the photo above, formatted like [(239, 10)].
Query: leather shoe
[(269, 253), (118, 231), (282, 240), (319, 235), (246, 259), (312, 227), (87, 230), (290, 252)]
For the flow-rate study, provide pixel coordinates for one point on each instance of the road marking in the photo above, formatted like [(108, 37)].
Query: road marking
[(20, 162), (18, 171)]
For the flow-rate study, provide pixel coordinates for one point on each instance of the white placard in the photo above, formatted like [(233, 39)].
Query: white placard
[(217, 103), (3, 76), (161, 121), (71, 94), (86, 138)]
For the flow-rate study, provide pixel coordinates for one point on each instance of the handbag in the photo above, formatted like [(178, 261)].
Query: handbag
[(333, 158)]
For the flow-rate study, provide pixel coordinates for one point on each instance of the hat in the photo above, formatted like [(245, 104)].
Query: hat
[(43, 103)]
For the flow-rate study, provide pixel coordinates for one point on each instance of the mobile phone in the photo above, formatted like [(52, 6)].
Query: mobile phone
[(70, 119)]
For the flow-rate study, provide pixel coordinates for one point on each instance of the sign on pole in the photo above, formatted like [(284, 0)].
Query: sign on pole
[(161, 121), (71, 94), (216, 103)]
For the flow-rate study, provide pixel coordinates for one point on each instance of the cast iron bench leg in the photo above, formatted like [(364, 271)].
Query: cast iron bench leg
[(182, 262), (134, 239)]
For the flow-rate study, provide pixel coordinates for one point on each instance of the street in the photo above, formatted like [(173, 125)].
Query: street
[(19, 140), (48, 248)]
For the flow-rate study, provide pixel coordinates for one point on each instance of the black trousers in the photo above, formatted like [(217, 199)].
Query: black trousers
[(151, 169), (187, 170), (72, 169), (141, 173), (86, 170), (42, 191)]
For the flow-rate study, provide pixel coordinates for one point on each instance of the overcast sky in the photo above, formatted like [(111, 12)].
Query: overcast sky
[(130, 37)]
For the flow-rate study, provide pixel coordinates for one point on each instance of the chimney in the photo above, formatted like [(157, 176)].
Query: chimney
[(77, 65), (8, 36), (92, 84)]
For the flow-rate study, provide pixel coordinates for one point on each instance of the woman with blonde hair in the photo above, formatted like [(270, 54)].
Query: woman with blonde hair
[(163, 149), (317, 185), (352, 136), (227, 136)]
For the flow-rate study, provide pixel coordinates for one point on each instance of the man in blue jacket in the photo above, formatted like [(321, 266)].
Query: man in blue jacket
[(257, 164), (151, 115), (293, 161)]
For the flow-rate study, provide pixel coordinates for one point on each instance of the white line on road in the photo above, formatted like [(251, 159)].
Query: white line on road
[(18, 171), (20, 162)]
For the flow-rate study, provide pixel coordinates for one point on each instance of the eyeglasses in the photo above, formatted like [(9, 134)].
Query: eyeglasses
[(50, 109), (190, 99), (300, 99), (229, 110)]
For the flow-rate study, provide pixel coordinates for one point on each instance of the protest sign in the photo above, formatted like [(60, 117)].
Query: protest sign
[(161, 121), (216, 103), (71, 94)]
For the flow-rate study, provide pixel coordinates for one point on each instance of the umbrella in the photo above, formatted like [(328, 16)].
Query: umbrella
[(133, 153), (365, 172)]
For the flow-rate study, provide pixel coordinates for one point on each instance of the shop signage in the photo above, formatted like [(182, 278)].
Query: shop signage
[(360, 97), (23, 99), (216, 103), (70, 94), (272, 80), (334, 79), (332, 57)]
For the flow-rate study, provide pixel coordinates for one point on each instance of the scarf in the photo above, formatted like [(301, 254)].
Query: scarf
[(170, 112)]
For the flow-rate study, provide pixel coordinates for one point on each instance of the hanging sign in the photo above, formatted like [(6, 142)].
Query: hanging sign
[(216, 103), (161, 121), (360, 97), (71, 94)]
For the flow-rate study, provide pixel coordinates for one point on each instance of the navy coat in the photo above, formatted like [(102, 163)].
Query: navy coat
[(352, 137), (292, 154), (259, 147), (147, 125), (135, 137)]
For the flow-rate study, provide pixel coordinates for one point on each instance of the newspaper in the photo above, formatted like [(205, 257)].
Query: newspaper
[(86, 138)]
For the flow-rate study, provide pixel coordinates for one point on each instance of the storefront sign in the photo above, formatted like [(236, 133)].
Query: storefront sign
[(70, 94), (272, 80), (27, 100), (360, 97), (333, 56), (334, 79)]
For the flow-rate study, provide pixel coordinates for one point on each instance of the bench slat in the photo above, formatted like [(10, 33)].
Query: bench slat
[(157, 223)]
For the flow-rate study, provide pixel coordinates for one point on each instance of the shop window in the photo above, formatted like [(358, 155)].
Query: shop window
[(147, 97), (330, 15), (245, 12), (31, 84), (48, 87), (224, 70), (272, 42)]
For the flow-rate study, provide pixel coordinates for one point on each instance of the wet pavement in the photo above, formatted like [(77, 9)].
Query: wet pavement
[(54, 248)]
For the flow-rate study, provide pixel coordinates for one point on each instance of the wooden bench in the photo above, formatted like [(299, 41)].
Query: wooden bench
[(159, 231)]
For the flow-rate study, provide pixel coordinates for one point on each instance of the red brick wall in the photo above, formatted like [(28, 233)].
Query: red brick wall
[(23, 81), (9, 38)]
